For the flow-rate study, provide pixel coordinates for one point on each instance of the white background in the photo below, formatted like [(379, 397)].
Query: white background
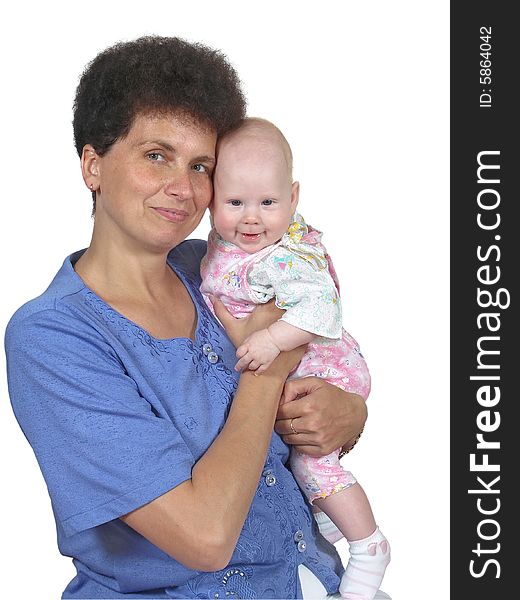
[(361, 92)]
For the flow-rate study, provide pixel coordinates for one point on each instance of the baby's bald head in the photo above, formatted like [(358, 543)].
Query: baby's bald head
[(254, 195), (260, 137)]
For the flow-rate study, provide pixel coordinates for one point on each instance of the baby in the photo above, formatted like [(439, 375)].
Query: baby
[(260, 248)]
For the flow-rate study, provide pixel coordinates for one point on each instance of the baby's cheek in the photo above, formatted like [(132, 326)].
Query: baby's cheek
[(222, 221)]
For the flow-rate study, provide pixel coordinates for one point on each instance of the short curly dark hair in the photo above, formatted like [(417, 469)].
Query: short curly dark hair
[(155, 75)]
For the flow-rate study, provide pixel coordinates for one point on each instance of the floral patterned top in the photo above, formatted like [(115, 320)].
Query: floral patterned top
[(294, 271)]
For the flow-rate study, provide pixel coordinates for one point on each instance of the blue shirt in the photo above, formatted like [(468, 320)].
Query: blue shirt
[(117, 418)]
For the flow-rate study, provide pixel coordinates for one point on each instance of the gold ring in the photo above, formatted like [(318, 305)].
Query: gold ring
[(292, 427)]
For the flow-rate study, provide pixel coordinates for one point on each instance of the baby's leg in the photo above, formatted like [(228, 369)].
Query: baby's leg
[(326, 526), (332, 478), (369, 549), (350, 511), (336, 492)]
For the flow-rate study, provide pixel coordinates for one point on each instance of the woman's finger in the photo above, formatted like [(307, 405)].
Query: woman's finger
[(310, 450), (296, 388), (299, 439), (283, 427), (293, 409)]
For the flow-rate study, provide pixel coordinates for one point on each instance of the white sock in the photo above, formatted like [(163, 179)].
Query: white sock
[(327, 528), (365, 569)]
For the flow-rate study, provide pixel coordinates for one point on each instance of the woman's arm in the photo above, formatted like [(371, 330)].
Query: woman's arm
[(332, 418), (104, 452), (199, 521)]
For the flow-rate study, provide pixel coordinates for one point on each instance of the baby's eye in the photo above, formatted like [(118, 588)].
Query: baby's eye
[(235, 202), (268, 202)]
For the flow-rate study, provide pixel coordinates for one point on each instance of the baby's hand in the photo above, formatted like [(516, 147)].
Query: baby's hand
[(257, 352)]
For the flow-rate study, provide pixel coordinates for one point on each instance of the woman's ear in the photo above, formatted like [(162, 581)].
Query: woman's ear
[(295, 195), (90, 167)]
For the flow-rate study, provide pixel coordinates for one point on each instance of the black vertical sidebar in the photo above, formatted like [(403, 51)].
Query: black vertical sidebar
[(485, 268)]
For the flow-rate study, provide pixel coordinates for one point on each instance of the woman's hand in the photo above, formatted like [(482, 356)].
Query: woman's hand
[(240, 329), (324, 416)]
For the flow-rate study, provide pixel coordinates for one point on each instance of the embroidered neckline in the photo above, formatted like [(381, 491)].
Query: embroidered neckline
[(112, 315)]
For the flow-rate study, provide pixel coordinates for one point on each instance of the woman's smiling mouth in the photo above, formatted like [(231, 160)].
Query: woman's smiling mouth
[(172, 214)]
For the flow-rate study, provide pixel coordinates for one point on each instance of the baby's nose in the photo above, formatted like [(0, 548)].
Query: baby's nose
[(251, 217)]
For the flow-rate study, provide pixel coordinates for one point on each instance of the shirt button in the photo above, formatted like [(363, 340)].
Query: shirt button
[(207, 348), (298, 535), (212, 357), (302, 546), (270, 480)]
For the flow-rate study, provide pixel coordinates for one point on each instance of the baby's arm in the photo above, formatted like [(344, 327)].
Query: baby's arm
[(260, 349), (308, 295)]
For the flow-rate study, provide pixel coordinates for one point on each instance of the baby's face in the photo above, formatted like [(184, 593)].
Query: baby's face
[(254, 197)]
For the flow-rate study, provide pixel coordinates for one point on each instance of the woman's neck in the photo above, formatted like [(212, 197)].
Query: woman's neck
[(115, 272), (143, 288)]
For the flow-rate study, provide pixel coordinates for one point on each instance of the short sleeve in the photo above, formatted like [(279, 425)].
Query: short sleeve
[(188, 255), (102, 449), (305, 291)]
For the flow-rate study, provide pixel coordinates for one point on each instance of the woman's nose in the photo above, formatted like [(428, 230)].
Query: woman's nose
[(180, 184)]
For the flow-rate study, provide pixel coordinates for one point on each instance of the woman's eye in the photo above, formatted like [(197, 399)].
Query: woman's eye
[(235, 202), (200, 168), (155, 156), (267, 202)]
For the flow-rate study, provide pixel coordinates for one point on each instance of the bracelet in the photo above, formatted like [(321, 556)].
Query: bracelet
[(342, 452)]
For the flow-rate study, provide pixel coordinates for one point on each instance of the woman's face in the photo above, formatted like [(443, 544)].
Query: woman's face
[(154, 185)]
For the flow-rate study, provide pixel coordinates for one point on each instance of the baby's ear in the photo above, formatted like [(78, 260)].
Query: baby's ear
[(295, 195)]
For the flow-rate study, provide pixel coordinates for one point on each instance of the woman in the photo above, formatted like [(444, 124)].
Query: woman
[(165, 478)]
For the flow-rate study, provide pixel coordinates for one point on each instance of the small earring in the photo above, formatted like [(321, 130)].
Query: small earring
[(91, 186)]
